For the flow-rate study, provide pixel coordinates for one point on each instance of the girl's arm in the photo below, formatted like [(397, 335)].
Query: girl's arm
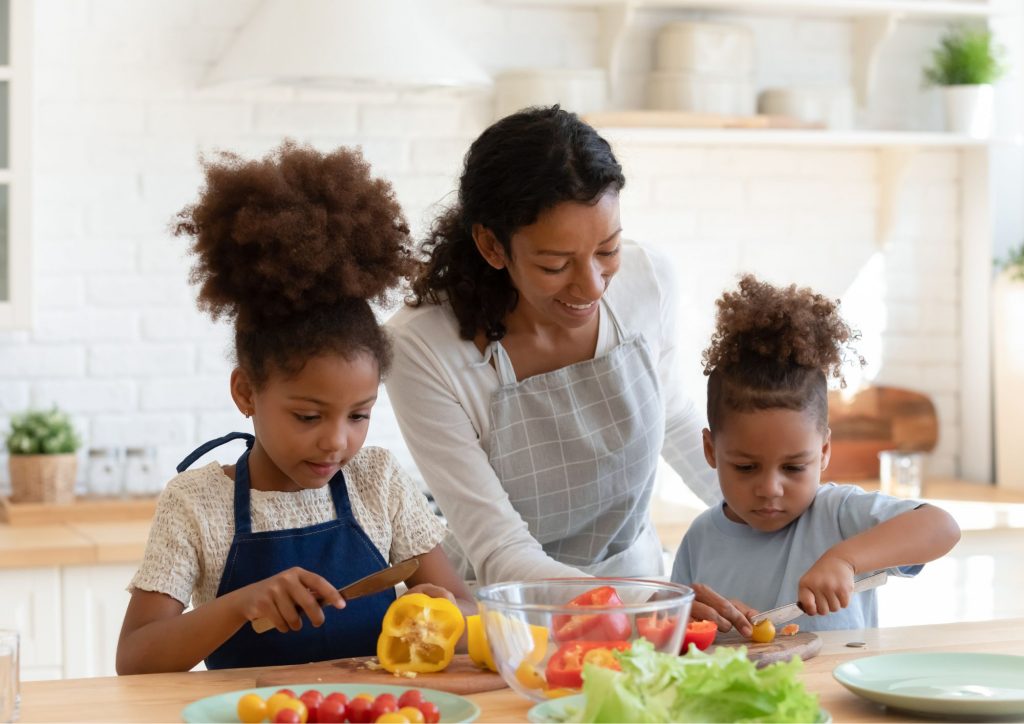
[(157, 637), (916, 536), (437, 577)]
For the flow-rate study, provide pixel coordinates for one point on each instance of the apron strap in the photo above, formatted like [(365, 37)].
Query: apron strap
[(211, 444), (339, 494)]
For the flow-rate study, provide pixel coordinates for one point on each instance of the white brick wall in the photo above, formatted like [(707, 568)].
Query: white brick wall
[(120, 120)]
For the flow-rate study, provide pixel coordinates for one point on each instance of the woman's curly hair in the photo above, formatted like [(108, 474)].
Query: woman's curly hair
[(519, 167), (292, 247), (775, 347)]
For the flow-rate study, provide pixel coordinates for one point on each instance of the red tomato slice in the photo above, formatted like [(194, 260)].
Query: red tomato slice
[(656, 629), (699, 633), (593, 627), (565, 667)]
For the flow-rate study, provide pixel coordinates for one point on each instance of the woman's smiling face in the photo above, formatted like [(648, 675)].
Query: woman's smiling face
[(769, 464), (562, 263)]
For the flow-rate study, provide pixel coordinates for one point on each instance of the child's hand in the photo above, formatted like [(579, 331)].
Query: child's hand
[(827, 586), (283, 597), (429, 589), (725, 613)]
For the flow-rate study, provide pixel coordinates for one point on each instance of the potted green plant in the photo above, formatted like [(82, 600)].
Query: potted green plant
[(965, 65), (42, 461), (1008, 367)]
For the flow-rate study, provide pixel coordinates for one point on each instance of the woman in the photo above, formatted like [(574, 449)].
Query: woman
[(534, 394)]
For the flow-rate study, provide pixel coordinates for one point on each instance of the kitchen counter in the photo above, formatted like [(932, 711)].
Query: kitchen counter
[(161, 697)]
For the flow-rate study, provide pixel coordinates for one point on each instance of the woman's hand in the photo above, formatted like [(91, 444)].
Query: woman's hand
[(725, 613), (827, 586), (283, 597)]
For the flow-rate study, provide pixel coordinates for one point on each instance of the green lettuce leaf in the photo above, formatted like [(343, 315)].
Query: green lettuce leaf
[(724, 686)]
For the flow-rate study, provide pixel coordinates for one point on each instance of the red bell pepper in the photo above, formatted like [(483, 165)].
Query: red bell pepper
[(593, 627), (656, 629), (565, 667), (699, 633)]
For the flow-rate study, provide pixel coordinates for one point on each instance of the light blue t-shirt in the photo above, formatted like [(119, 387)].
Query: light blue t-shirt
[(763, 569)]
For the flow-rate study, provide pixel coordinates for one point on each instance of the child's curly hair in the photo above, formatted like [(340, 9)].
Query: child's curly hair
[(293, 247), (774, 348)]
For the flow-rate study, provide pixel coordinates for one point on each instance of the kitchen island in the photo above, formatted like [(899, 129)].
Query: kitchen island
[(161, 697)]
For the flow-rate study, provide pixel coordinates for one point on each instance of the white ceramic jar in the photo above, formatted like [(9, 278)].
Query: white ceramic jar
[(714, 48), (580, 90)]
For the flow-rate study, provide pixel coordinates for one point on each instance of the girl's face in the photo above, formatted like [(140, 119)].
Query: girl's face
[(769, 465), (561, 264), (311, 424)]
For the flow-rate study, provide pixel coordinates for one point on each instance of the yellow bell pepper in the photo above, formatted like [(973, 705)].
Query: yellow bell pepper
[(419, 634), (480, 649)]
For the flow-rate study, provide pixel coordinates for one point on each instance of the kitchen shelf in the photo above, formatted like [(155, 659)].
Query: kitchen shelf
[(826, 8), (785, 137)]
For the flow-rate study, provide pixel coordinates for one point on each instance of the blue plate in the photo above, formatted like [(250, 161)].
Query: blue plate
[(223, 707), (569, 707), (950, 684)]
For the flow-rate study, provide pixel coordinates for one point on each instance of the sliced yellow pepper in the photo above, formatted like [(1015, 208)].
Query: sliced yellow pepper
[(418, 634), (480, 649)]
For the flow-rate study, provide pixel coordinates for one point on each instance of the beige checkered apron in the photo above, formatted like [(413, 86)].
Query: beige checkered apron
[(577, 451)]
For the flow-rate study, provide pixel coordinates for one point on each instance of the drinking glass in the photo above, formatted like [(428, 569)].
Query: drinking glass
[(901, 473)]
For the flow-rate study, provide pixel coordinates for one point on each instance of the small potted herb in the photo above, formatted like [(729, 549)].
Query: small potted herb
[(965, 65), (42, 461)]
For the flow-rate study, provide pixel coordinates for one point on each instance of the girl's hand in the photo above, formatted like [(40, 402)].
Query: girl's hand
[(827, 586), (283, 597), (725, 613)]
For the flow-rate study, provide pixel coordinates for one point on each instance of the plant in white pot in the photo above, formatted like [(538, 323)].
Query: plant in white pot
[(965, 65), (1008, 367), (42, 461)]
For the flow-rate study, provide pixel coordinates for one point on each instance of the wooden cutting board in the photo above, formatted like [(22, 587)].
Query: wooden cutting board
[(461, 677), (874, 419), (804, 644)]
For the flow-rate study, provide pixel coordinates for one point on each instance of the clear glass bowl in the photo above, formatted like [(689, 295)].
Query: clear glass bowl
[(535, 636)]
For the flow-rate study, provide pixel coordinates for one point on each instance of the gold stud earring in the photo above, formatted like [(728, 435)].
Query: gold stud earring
[(247, 414)]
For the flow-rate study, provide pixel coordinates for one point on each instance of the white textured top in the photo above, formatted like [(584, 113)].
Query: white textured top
[(194, 522), (440, 387)]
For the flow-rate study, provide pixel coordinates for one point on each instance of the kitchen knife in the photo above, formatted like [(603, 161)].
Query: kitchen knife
[(792, 610), (373, 583)]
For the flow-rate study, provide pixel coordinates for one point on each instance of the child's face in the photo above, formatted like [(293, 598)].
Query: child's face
[(769, 465), (310, 425)]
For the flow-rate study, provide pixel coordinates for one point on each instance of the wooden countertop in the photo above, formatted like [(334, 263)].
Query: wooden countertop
[(161, 697), (975, 506)]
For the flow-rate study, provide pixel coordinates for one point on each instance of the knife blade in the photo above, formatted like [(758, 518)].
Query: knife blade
[(782, 614), (375, 582)]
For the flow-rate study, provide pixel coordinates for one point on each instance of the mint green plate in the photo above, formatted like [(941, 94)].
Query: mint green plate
[(950, 684), (222, 707), (569, 707)]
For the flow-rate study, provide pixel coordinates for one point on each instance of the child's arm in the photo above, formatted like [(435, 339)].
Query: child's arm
[(916, 536), (157, 637), (437, 577)]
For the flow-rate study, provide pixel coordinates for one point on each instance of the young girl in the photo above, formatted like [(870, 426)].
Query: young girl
[(291, 248), (780, 536)]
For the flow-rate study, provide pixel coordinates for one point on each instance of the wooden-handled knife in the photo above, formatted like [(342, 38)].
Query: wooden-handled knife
[(373, 583)]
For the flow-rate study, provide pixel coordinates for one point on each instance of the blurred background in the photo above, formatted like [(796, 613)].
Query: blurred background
[(803, 140)]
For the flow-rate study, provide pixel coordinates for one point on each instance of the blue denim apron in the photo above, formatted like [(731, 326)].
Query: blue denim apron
[(339, 550)]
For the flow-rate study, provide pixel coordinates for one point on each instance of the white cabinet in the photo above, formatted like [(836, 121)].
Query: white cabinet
[(94, 601), (69, 618), (30, 601)]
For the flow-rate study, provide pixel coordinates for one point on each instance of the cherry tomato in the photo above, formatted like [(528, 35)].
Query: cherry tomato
[(331, 709), (277, 702), (413, 714), (383, 704), (289, 692), (312, 699), (298, 706), (252, 708), (431, 714), (359, 710), (392, 717), (412, 697), (365, 695), (699, 633), (287, 715), (763, 633), (338, 697)]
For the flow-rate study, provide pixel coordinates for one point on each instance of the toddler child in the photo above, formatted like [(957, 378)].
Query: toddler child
[(780, 536), (291, 248)]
